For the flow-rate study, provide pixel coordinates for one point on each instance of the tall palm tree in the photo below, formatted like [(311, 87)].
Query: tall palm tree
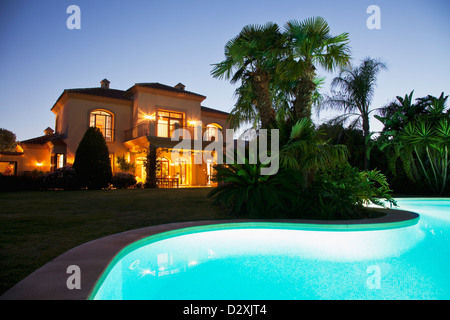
[(357, 87), (251, 57), (310, 44)]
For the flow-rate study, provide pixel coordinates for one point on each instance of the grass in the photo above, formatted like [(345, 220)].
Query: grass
[(36, 227)]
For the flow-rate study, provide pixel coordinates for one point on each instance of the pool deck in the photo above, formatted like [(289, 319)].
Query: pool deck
[(49, 281)]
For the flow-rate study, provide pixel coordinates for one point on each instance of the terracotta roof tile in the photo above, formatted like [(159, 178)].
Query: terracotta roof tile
[(157, 85), (103, 92), (56, 137), (206, 109)]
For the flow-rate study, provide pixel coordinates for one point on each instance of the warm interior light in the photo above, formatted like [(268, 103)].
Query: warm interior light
[(39, 164), (150, 117)]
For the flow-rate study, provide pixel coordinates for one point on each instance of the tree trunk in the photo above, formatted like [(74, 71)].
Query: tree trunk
[(150, 181), (304, 94), (260, 83), (366, 132)]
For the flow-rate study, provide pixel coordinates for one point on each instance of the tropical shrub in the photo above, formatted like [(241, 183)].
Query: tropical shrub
[(422, 146), (92, 163), (243, 191), (342, 193), (302, 148), (124, 164), (123, 180)]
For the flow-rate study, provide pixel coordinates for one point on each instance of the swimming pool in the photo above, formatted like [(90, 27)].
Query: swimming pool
[(269, 261)]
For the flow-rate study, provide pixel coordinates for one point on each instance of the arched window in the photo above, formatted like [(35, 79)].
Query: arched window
[(104, 121), (212, 132)]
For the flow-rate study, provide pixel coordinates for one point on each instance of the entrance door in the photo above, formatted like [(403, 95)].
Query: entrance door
[(181, 170), (140, 169)]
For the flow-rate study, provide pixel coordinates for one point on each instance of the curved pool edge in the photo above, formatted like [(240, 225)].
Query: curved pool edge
[(94, 257)]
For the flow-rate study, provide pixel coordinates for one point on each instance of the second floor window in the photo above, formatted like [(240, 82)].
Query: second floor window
[(168, 122), (212, 132), (104, 121)]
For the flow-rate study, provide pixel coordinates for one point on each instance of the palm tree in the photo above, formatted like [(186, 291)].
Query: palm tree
[(357, 87), (251, 57), (303, 148), (310, 44), (423, 144)]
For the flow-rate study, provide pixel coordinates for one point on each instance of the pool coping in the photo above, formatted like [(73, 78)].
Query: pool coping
[(93, 257)]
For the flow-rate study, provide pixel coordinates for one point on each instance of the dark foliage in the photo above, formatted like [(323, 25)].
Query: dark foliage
[(123, 180), (92, 162)]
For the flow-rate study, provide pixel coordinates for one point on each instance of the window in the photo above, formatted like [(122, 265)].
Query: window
[(104, 121), (59, 160), (8, 168), (168, 122), (212, 132)]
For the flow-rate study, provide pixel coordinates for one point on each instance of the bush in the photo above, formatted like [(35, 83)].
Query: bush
[(92, 162), (63, 178), (342, 192), (28, 182), (243, 191), (336, 193), (123, 180)]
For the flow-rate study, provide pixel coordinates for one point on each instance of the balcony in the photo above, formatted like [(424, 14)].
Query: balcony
[(137, 131), (163, 130)]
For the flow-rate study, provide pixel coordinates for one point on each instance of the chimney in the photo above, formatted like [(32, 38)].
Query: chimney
[(105, 83), (180, 86), (48, 131)]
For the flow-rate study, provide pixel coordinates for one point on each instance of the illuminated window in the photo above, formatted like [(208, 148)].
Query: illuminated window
[(212, 132), (104, 121), (59, 160), (168, 122), (8, 168)]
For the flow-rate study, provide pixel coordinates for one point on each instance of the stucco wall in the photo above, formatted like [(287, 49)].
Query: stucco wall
[(74, 120)]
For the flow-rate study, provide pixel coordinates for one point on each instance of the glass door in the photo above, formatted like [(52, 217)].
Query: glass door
[(181, 167)]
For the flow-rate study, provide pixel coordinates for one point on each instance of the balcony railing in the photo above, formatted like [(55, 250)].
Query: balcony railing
[(163, 130), (137, 131)]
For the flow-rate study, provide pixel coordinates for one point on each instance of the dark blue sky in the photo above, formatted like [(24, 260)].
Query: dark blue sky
[(177, 41)]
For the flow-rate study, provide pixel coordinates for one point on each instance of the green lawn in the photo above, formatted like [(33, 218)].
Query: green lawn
[(36, 227)]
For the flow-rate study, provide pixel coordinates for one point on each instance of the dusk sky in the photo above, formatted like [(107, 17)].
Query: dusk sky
[(177, 41)]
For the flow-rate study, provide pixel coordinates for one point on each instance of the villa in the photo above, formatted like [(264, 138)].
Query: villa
[(130, 120)]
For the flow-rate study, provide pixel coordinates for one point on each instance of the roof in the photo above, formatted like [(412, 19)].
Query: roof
[(126, 95), (206, 109), (157, 85), (11, 153), (44, 139), (103, 92)]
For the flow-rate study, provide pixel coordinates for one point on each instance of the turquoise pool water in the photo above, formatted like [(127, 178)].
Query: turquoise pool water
[(269, 262)]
